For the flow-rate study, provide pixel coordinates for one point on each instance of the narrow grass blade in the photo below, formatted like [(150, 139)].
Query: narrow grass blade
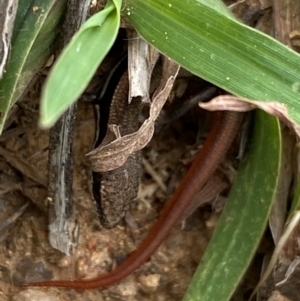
[(201, 37), (36, 27), (244, 218), (79, 61)]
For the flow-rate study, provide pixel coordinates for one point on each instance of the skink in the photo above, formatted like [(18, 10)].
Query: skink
[(222, 134), (225, 127)]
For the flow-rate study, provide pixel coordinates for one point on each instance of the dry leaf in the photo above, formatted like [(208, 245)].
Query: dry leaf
[(114, 154), (233, 103)]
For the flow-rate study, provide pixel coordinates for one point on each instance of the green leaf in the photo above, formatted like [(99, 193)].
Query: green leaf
[(79, 61), (244, 218), (34, 33), (204, 39)]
